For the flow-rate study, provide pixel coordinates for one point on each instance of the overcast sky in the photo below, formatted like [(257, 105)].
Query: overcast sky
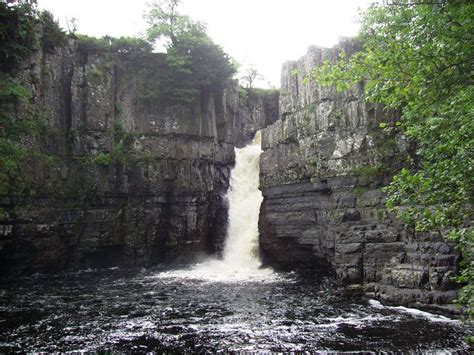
[(264, 33)]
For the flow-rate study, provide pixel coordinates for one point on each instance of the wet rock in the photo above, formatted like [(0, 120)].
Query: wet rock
[(135, 181), (326, 156)]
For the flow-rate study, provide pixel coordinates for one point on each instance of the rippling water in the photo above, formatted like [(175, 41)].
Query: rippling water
[(145, 310)]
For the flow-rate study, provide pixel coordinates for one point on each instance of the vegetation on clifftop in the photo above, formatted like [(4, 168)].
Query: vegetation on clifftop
[(194, 61), (193, 64), (420, 58), (21, 122)]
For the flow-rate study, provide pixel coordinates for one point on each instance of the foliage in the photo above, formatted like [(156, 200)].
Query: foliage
[(249, 74), (21, 123), (103, 159), (17, 37), (123, 151), (369, 172), (420, 58), (17, 126), (267, 93), (168, 25), (129, 45), (196, 63), (87, 43), (72, 24), (24, 30), (18, 33), (359, 190), (52, 35), (112, 45), (252, 96)]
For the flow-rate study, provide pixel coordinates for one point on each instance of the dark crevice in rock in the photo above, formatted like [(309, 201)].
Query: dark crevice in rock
[(66, 103)]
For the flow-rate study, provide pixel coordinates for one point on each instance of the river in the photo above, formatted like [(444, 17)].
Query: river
[(230, 304)]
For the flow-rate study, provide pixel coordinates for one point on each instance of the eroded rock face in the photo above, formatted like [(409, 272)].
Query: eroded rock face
[(322, 169), (134, 181)]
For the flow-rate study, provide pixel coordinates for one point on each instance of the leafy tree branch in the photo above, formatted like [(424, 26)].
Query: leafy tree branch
[(420, 58)]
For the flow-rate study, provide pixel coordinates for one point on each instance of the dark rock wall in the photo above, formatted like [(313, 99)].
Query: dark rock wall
[(132, 181), (253, 109), (322, 169), (162, 196)]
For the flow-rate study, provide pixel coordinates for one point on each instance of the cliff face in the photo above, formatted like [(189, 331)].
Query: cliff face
[(130, 180), (322, 169), (134, 180)]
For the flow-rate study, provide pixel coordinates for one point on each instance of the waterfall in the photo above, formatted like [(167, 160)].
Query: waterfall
[(240, 258), (241, 249)]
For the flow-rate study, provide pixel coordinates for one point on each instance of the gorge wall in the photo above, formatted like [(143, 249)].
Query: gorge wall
[(322, 169), (129, 180)]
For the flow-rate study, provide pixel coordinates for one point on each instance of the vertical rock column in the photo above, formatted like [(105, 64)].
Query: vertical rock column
[(322, 169)]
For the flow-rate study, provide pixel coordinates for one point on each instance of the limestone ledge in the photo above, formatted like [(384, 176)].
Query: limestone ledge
[(321, 173), (135, 181)]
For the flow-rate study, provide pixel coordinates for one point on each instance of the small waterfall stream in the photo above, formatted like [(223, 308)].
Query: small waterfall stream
[(241, 261), (241, 249)]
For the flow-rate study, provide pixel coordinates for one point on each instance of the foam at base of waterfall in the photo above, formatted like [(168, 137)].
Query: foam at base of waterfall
[(215, 270), (241, 262)]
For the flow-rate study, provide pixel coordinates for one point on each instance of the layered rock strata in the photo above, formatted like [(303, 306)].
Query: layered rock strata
[(322, 169), (130, 180)]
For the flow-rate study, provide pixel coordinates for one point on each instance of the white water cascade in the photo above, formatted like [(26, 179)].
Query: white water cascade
[(240, 261), (241, 249)]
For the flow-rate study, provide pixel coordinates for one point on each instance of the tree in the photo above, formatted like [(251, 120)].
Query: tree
[(168, 25), (197, 62), (419, 57), (249, 75)]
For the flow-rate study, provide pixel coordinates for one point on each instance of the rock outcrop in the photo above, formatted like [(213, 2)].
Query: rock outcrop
[(134, 180), (129, 180), (322, 169)]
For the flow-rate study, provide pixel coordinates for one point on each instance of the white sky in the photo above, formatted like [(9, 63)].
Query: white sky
[(264, 33)]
